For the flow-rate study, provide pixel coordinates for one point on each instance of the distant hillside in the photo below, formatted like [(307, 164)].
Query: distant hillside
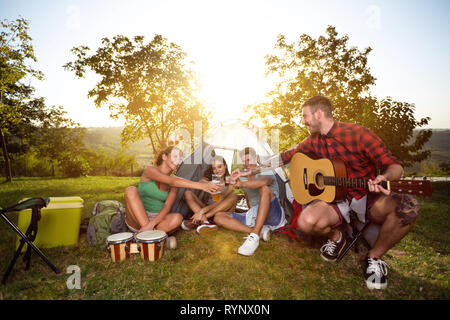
[(109, 139), (439, 144)]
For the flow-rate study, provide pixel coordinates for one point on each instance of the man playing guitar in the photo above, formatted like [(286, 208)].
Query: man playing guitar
[(363, 153)]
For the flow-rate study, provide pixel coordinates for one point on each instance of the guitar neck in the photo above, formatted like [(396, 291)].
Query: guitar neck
[(311, 178), (357, 183)]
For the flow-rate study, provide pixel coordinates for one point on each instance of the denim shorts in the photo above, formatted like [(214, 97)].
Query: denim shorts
[(273, 217)]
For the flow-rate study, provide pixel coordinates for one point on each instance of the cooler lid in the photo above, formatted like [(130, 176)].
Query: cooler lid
[(65, 199), (63, 202)]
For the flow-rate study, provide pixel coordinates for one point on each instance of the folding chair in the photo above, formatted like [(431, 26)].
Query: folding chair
[(35, 204), (355, 236)]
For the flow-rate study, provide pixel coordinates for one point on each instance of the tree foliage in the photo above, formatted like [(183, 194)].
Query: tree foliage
[(394, 123), (148, 84), (39, 139), (26, 122), (330, 67), (16, 53), (46, 132)]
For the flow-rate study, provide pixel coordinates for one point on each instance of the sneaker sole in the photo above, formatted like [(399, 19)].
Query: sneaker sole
[(376, 286), (327, 259), (207, 230), (246, 254), (185, 228)]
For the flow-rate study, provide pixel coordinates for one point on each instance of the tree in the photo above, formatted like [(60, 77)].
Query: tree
[(45, 132), (395, 124), (60, 140), (16, 51), (121, 163), (148, 85), (328, 66)]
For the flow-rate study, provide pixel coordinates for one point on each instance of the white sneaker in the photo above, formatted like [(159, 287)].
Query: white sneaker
[(250, 245), (265, 233)]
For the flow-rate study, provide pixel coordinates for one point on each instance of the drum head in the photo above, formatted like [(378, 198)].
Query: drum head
[(151, 236), (119, 237)]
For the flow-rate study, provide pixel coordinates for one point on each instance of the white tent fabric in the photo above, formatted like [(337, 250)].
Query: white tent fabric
[(229, 137), (236, 135)]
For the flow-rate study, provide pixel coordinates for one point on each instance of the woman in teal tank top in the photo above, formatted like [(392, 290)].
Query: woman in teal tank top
[(148, 206)]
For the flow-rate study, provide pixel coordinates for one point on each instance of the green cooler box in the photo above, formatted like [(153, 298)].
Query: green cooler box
[(59, 224)]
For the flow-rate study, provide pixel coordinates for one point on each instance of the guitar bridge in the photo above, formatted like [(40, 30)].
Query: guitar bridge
[(305, 178)]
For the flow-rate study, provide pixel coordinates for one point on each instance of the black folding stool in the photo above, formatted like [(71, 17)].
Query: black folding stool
[(355, 236), (36, 204)]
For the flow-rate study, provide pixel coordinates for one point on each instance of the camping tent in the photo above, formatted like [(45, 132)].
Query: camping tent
[(227, 139)]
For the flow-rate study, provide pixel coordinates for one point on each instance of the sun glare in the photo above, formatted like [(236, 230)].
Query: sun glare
[(228, 89), (228, 57)]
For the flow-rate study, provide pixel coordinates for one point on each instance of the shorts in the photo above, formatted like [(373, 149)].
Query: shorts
[(274, 217), (150, 216), (361, 207)]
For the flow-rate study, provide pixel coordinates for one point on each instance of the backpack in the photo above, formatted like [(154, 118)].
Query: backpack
[(108, 217), (291, 229), (287, 204)]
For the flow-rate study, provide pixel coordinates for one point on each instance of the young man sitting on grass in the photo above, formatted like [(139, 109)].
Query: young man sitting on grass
[(265, 211)]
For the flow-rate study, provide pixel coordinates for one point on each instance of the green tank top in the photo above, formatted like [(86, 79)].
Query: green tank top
[(151, 196)]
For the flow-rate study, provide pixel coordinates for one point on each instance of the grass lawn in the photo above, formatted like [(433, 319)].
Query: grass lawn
[(208, 266)]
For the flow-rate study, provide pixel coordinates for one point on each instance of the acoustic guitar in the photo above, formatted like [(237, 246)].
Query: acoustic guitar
[(326, 180)]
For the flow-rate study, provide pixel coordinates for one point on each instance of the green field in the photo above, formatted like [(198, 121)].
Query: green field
[(208, 266)]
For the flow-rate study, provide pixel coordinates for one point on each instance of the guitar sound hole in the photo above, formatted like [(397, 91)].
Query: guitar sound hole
[(319, 180), (317, 187)]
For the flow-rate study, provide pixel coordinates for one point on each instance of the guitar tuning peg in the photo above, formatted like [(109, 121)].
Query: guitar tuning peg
[(424, 178)]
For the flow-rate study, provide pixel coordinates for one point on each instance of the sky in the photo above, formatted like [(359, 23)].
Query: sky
[(228, 42)]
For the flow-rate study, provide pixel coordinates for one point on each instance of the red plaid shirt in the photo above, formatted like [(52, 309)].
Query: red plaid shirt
[(361, 150)]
